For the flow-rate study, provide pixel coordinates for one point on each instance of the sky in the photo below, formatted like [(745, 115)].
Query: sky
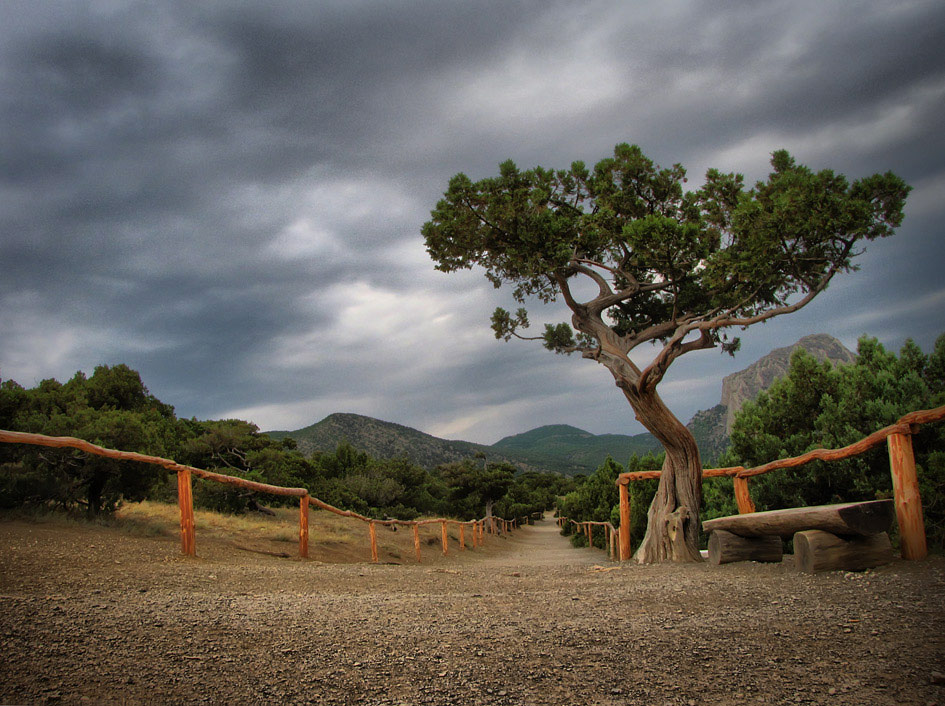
[(227, 196)]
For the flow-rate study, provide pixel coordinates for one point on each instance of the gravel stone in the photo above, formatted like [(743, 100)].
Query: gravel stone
[(92, 615)]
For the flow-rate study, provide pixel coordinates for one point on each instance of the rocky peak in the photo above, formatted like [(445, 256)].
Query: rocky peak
[(745, 385)]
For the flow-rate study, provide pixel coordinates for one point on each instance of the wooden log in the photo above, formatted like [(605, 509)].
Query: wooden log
[(373, 532), (908, 500), (725, 547), (444, 538), (462, 537), (590, 535), (816, 550), (742, 496), (303, 527), (729, 471), (625, 552), (185, 503), (871, 517), (864, 444), (416, 541)]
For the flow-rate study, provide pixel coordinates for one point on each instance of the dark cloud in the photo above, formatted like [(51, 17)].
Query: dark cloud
[(228, 195)]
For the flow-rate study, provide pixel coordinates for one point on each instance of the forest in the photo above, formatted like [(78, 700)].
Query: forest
[(113, 408), (816, 405)]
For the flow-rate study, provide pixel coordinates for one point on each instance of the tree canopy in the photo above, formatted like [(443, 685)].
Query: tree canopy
[(666, 262)]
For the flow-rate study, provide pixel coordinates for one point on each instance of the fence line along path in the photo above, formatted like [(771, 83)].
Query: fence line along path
[(477, 528)]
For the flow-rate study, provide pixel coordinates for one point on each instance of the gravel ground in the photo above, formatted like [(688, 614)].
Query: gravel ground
[(91, 615)]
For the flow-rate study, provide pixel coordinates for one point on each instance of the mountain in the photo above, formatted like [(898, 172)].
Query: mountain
[(550, 446), (711, 427), (745, 385), (559, 447), (388, 440)]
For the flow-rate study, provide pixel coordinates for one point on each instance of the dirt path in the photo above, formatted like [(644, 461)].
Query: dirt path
[(540, 545), (86, 617)]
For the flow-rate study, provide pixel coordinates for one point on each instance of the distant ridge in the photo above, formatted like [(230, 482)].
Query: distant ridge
[(559, 447), (387, 440), (557, 443)]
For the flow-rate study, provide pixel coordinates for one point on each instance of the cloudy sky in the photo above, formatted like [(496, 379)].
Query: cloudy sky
[(227, 196)]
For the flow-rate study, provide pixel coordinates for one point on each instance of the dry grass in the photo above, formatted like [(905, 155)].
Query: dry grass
[(164, 518), (332, 539)]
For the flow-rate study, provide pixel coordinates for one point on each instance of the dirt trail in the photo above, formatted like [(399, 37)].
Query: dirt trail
[(540, 544), (90, 615)]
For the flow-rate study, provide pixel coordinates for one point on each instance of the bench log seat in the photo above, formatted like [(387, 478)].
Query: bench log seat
[(847, 536), (852, 519)]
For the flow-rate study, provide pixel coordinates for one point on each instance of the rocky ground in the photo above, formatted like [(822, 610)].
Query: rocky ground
[(92, 615)]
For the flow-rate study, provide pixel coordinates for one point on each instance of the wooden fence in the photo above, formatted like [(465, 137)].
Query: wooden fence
[(477, 528), (586, 527), (898, 438)]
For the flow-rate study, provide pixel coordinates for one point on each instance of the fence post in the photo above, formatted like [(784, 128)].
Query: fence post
[(908, 500), (742, 496), (185, 501), (373, 532), (444, 537), (416, 540), (590, 535), (303, 527), (462, 537), (624, 521)]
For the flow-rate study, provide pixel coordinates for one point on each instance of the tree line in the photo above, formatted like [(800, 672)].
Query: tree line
[(816, 405), (113, 408)]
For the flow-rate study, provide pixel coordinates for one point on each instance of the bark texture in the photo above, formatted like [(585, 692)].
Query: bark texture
[(672, 532)]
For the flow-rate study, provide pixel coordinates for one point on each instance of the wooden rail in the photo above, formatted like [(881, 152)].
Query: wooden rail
[(306, 500), (897, 437), (586, 527)]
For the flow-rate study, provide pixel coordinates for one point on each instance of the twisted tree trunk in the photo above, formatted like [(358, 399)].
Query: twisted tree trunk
[(672, 532)]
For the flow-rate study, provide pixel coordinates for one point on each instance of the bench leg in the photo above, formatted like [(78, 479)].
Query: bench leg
[(816, 550), (726, 547)]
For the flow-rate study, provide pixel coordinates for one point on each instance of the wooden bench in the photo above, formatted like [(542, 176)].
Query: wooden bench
[(848, 536)]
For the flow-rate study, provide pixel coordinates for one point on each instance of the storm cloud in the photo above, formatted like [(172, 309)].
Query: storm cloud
[(228, 196)]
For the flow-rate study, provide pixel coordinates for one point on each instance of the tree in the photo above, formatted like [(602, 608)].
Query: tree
[(670, 267), (112, 408), (473, 488)]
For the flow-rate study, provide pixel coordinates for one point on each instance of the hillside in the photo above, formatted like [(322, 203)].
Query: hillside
[(559, 443), (711, 427), (559, 447), (388, 440)]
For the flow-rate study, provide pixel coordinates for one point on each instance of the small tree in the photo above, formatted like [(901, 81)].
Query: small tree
[(473, 488), (670, 267)]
